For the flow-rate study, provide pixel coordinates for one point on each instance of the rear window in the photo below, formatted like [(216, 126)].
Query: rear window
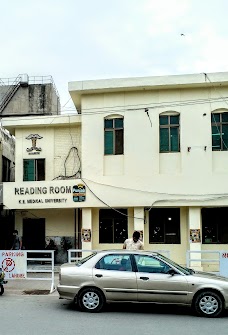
[(85, 259)]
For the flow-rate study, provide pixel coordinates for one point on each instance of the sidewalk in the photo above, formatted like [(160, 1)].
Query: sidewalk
[(32, 285)]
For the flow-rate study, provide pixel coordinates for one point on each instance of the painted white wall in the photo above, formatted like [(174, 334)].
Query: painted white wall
[(58, 222), (142, 177), (196, 172), (56, 143)]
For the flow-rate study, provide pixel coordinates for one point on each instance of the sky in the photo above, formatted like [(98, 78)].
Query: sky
[(95, 39)]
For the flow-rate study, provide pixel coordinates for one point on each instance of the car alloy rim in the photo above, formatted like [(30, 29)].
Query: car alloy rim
[(208, 304), (90, 300)]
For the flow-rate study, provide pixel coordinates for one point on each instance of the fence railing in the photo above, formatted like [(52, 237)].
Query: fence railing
[(36, 270), (30, 80), (202, 260), (77, 254), (27, 265)]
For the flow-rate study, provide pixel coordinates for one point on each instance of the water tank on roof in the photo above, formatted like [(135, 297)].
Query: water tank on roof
[(24, 80)]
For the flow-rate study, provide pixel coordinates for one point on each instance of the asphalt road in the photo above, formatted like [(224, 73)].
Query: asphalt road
[(46, 314)]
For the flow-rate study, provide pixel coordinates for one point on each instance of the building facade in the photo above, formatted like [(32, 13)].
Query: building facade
[(47, 156), (7, 174), (28, 95), (20, 96), (153, 157)]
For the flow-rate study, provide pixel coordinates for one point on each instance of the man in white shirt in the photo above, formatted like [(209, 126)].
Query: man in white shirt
[(133, 243)]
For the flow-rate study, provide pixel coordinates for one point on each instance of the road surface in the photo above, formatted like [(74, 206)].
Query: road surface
[(46, 314)]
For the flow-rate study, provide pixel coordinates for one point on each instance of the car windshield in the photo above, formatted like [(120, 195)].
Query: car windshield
[(85, 259), (183, 269)]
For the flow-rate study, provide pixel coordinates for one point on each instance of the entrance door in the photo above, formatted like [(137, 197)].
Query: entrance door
[(34, 234), (6, 229)]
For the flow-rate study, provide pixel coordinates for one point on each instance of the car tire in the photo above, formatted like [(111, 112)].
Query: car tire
[(91, 300), (1, 289), (208, 304)]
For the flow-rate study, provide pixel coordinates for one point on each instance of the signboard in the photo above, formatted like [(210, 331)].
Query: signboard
[(51, 194), (13, 263), (224, 263)]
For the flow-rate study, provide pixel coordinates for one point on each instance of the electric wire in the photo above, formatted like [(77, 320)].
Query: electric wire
[(186, 103), (116, 109), (141, 107), (102, 201)]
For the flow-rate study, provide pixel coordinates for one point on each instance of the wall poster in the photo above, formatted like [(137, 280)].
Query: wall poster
[(195, 236), (86, 235)]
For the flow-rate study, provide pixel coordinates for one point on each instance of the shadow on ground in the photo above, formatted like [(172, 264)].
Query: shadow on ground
[(140, 308), (36, 292)]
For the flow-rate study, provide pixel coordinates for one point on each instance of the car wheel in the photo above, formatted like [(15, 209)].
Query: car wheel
[(208, 304), (1, 289), (91, 300)]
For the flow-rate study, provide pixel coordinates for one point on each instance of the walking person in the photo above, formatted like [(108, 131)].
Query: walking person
[(133, 243), (17, 242)]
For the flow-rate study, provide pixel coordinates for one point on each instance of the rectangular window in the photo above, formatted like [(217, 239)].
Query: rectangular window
[(169, 133), (113, 136), (219, 130), (113, 226), (164, 225), (214, 226), (115, 262), (5, 169), (34, 169)]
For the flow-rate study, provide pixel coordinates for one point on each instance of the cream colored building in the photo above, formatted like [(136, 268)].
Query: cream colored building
[(153, 157), (47, 156)]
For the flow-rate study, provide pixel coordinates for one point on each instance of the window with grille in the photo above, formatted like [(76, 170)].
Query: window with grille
[(5, 169), (219, 131), (34, 169), (113, 225), (169, 133), (164, 225), (114, 136), (214, 227)]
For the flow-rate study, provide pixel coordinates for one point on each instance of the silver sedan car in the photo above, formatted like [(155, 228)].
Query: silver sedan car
[(138, 276)]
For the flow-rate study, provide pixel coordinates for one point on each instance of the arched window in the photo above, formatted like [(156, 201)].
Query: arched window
[(114, 135), (219, 130), (169, 132)]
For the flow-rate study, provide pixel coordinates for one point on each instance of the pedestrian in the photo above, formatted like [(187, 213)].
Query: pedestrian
[(17, 243), (133, 243)]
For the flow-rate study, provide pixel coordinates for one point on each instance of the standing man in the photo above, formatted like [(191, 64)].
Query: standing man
[(133, 243), (17, 243)]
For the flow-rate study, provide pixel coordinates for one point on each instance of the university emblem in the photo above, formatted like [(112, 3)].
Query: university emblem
[(79, 193), (34, 138)]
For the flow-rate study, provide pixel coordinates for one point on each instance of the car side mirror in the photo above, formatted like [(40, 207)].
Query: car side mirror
[(171, 272)]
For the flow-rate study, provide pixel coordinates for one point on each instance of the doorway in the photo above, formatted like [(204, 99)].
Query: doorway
[(34, 234), (6, 229)]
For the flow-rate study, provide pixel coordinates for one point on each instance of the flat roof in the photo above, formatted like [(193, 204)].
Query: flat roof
[(79, 88), (33, 121)]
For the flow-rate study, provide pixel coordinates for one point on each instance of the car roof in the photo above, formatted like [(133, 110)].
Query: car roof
[(124, 251)]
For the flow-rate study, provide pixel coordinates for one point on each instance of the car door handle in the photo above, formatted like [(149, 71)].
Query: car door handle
[(144, 278), (98, 276)]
